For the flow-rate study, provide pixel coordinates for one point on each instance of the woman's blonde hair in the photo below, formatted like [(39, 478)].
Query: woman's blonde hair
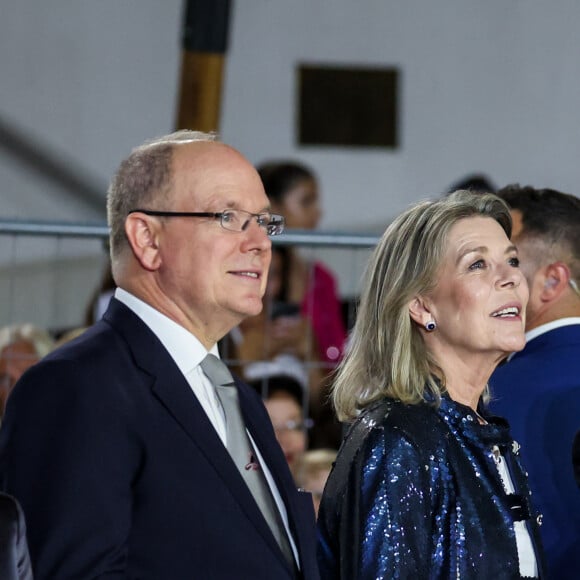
[(386, 354)]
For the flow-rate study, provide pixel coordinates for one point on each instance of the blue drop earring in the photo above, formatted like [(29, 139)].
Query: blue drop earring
[(430, 326)]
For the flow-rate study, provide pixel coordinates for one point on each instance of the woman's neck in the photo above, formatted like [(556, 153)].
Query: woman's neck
[(466, 378)]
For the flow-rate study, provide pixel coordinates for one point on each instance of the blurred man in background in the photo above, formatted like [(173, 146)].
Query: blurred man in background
[(538, 390)]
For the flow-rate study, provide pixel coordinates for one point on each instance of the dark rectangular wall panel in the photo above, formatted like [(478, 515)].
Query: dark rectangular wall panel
[(348, 106)]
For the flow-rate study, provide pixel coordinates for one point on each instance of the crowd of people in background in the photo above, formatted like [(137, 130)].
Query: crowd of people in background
[(439, 439)]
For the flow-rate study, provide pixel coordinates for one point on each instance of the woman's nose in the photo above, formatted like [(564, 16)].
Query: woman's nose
[(510, 276)]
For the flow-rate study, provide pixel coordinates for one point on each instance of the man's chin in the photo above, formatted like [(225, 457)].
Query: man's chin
[(251, 307)]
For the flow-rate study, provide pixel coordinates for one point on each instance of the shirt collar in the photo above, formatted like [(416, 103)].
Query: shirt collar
[(542, 329), (185, 349)]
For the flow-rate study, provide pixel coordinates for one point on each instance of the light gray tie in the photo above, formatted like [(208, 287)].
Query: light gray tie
[(241, 451)]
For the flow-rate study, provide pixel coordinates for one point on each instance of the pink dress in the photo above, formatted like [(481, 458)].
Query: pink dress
[(322, 307)]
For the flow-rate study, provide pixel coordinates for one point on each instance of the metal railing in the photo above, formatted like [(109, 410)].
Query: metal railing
[(50, 270), (101, 230)]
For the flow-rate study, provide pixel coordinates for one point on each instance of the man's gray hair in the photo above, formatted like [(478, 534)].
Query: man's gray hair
[(144, 179)]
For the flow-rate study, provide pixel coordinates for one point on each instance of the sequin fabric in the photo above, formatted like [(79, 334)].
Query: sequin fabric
[(415, 494)]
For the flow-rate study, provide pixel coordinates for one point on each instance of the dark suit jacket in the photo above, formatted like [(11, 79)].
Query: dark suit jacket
[(14, 558), (538, 391), (121, 474)]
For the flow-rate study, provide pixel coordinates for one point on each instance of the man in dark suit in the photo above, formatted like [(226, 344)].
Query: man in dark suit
[(538, 390), (118, 445)]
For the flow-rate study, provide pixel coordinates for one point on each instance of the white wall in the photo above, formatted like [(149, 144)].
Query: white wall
[(489, 86), (53, 294), (90, 80)]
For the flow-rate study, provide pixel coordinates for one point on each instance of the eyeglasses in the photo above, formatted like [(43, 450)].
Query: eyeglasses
[(235, 220)]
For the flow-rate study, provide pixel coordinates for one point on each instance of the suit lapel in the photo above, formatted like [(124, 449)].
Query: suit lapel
[(259, 425), (175, 395), (260, 428)]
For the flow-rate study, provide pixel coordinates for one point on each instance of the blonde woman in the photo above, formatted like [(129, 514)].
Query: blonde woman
[(425, 485)]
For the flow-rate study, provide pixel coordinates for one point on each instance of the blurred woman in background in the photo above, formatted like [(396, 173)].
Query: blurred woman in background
[(293, 192), (309, 286)]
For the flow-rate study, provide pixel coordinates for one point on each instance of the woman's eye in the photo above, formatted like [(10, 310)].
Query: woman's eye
[(515, 262), (477, 265)]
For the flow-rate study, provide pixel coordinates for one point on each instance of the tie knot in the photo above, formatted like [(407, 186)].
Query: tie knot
[(216, 371)]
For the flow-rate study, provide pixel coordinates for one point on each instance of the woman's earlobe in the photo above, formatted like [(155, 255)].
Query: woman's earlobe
[(420, 313), (417, 310)]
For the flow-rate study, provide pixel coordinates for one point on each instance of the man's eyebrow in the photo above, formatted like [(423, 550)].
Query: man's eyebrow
[(236, 205)]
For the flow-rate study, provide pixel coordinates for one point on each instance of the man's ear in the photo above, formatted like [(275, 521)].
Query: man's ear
[(419, 311), (557, 276), (143, 234)]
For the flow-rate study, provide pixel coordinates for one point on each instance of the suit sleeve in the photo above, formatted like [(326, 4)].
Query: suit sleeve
[(68, 455)]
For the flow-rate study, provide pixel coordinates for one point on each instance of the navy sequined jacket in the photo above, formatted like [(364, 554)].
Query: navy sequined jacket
[(415, 493)]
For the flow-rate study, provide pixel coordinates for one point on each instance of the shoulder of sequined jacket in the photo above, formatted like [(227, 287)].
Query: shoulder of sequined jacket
[(417, 424)]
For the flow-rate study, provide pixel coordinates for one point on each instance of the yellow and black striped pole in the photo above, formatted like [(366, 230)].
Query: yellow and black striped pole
[(204, 43)]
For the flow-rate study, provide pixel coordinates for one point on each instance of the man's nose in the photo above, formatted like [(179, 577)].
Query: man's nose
[(257, 237)]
